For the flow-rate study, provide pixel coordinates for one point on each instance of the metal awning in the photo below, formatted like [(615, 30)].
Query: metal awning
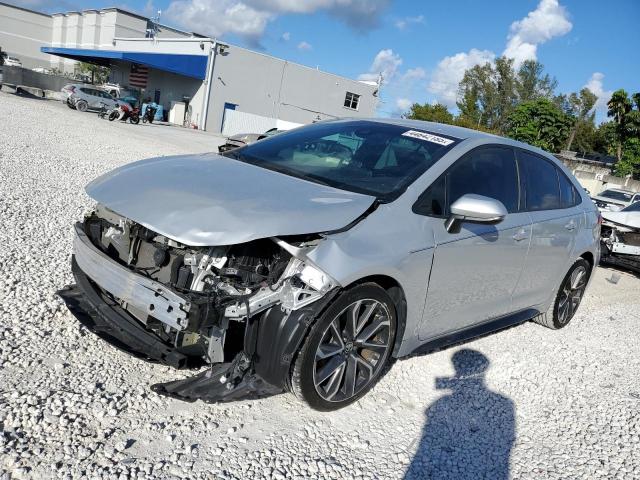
[(194, 66)]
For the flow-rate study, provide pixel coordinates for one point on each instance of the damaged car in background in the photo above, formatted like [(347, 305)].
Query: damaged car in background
[(621, 237), (308, 261)]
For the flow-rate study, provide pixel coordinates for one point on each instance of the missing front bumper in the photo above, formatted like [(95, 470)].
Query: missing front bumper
[(106, 318)]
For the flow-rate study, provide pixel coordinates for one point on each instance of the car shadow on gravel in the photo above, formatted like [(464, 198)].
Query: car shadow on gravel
[(469, 432)]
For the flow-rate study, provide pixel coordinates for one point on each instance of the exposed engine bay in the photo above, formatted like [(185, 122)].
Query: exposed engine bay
[(199, 302), (620, 242)]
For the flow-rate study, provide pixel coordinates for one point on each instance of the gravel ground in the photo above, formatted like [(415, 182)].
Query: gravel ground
[(524, 403)]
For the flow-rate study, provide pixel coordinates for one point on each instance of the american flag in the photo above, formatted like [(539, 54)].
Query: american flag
[(138, 75)]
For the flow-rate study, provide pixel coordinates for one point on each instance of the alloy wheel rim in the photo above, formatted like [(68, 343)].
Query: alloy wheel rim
[(571, 294), (352, 350)]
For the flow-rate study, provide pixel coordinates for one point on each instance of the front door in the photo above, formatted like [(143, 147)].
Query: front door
[(476, 270)]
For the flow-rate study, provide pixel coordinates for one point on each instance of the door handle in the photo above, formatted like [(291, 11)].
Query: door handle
[(571, 225), (520, 235)]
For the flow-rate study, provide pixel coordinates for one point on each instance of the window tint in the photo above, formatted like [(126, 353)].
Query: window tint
[(541, 182), (568, 194), (486, 171), (432, 201)]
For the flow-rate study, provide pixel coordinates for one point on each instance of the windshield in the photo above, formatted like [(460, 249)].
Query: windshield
[(634, 207), (615, 195), (360, 156)]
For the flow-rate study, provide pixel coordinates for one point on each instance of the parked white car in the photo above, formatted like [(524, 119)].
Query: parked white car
[(615, 199)]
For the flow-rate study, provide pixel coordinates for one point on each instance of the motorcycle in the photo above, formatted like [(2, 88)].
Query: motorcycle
[(104, 111), (149, 114), (125, 112)]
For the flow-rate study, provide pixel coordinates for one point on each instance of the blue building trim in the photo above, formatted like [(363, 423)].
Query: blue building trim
[(194, 66)]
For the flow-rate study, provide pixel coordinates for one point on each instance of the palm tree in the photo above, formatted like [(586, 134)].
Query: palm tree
[(619, 106)]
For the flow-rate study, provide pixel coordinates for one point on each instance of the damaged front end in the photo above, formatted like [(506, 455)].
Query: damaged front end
[(241, 309)]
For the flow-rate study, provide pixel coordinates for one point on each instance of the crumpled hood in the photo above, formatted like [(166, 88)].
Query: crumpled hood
[(208, 199), (628, 219)]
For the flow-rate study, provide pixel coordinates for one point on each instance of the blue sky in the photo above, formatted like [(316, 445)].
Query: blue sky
[(422, 48)]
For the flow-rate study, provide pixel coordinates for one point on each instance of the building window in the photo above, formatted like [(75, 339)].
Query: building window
[(351, 101)]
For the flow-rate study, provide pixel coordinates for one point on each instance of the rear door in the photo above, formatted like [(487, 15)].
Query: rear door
[(474, 271), (552, 201)]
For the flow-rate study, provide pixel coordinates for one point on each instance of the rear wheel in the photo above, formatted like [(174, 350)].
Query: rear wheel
[(568, 298), (347, 350), (82, 106)]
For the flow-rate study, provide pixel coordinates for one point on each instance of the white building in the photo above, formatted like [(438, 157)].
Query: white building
[(220, 87)]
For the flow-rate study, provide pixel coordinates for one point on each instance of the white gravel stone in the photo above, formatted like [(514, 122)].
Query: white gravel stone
[(70, 404)]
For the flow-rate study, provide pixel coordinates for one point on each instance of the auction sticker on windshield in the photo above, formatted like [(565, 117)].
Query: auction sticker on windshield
[(428, 137)]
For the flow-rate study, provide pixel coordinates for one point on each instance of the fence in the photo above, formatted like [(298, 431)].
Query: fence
[(23, 77), (236, 122), (597, 177)]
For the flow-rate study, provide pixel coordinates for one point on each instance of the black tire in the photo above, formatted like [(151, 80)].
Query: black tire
[(69, 105), (360, 367), (567, 298), (82, 106), (113, 115), (135, 120), (144, 119)]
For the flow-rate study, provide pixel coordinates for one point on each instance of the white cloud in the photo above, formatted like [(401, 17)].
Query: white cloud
[(403, 104), (403, 23), (218, 17), (249, 18), (304, 46), (386, 63), (449, 72), (286, 36), (548, 20), (414, 74), (596, 85)]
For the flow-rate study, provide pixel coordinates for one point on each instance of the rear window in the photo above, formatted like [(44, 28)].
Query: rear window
[(616, 195)]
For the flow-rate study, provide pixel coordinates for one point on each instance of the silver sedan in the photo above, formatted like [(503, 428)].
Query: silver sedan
[(306, 262)]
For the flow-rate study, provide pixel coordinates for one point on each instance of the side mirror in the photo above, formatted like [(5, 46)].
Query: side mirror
[(474, 208)]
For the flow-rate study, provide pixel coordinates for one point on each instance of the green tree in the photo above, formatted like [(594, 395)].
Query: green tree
[(541, 123), (489, 93), (98, 73), (629, 164), (618, 107), (579, 106), (533, 83), (430, 113)]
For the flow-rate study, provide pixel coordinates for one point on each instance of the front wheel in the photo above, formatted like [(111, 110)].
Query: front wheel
[(113, 115), (135, 120), (568, 297), (347, 350), (82, 106)]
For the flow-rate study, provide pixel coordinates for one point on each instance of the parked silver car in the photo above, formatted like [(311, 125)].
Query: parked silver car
[(84, 97), (292, 264)]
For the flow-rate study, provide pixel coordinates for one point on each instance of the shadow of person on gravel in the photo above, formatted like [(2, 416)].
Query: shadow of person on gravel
[(469, 432)]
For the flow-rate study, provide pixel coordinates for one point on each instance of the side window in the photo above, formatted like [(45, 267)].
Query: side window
[(568, 195), (542, 190), (485, 171)]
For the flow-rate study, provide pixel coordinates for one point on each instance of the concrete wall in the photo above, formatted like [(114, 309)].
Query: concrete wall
[(272, 87), (23, 32), (597, 177)]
